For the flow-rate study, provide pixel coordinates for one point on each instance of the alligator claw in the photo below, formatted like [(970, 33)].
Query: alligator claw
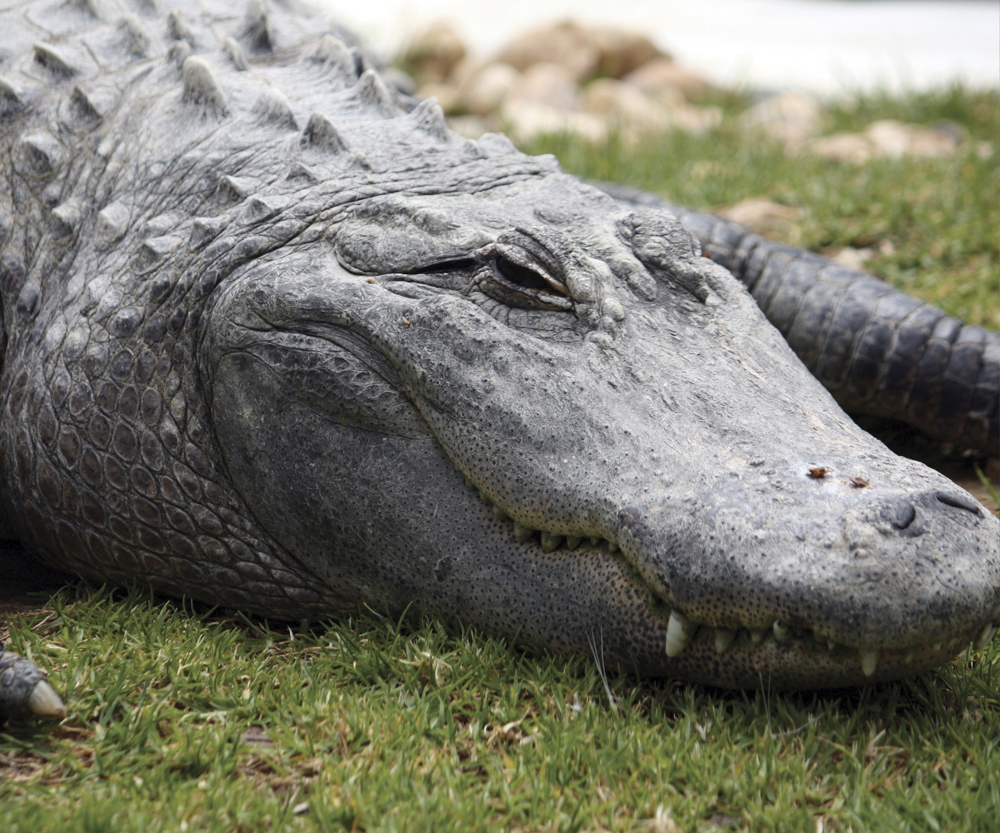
[(24, 691)]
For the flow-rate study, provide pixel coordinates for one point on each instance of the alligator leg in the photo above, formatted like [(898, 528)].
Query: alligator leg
[(24, 691), (876, 349)]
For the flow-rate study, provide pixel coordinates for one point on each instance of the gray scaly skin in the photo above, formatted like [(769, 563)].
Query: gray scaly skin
[(277, 339), (877, 350)]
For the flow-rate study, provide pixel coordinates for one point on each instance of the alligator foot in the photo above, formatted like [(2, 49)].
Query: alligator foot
[(24, 691)]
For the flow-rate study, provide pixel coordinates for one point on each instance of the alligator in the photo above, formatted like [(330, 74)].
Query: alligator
[(275, 338)]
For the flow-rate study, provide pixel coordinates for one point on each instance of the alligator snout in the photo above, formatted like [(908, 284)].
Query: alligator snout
[(873, 569)]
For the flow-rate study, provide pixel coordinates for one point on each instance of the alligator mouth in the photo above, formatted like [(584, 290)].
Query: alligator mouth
[(755, 642)]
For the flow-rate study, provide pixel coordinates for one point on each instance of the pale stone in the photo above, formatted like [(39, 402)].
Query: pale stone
[(585, 52), (853, 258), (432, 53), (886, 139), (766, 217), (843, 147), (894, 139), (446, 94), (791, 118), (548, 84), (472, 127), (526, 119), (484, 91), (628, 107), (667, 81)]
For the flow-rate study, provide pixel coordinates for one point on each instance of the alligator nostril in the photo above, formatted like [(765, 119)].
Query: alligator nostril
[(958, 501), (901, 514)]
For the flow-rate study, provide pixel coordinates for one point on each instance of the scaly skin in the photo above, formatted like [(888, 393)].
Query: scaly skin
[(878, 351), (277, 339)]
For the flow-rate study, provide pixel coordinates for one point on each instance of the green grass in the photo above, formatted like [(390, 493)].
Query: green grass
[(936, 221), (182, 719)]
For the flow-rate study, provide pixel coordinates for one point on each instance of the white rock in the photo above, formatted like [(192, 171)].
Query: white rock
[(484, 91), (791, 118)]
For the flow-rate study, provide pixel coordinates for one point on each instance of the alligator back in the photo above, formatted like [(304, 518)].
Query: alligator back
[(149, 150)]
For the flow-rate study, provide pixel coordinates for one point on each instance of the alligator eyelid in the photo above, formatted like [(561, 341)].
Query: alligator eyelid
[(523, 273)]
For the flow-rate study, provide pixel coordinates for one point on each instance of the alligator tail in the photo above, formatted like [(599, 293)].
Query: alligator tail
[(879, 351)]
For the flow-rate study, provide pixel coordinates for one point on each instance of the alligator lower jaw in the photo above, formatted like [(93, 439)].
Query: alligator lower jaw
[(794, 658), (804, 663)]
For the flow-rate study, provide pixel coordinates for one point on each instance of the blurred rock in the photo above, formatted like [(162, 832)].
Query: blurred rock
[(533, 87), (550, 84), (853, 258), (483, 92), (792, 118), (767, 218), (446, 94), (472, 127), (624, 103), (667, 81), (585, 52), (887, 139), (432, 54), (524, 119), (627, 107)]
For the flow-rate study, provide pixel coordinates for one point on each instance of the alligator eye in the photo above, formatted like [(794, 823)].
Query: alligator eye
[(521, 276)]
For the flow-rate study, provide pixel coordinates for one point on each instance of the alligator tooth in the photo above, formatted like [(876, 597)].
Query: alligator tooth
[(830, 644), (595, 541), (612, 546), (723, 639), (757, 635), (984, 638), (908, 655), (572, 542), (869, 660), (44, 701), (782, 632), (550, 542), (499, 514), (938, 646), (679, 633), (522, 533)]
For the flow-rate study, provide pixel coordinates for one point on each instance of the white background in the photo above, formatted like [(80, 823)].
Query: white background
[(824, 46)]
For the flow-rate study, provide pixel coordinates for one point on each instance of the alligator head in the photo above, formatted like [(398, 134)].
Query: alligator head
[(544, 415)]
